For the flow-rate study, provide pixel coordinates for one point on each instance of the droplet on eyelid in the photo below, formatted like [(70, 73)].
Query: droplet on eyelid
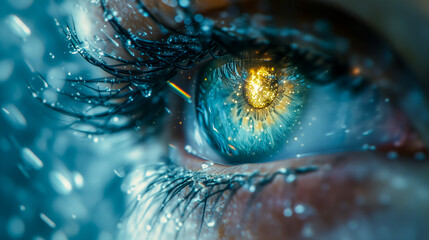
[(290, 178), (299, 209), (250, 187), (211, 223), (287, 212), (206, 165)]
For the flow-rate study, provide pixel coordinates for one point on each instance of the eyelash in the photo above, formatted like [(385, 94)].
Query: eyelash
[(166, 182), (139, 87), (142, 86)]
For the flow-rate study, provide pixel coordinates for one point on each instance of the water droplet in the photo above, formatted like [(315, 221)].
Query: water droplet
[(211, 223), (78, 180), (18, 27), (290, 178), (119, 172), (204, 166), (60, 183), (287, 212), (14, 117), (47, 220), (31, 159), (299, 209), (184, 3)]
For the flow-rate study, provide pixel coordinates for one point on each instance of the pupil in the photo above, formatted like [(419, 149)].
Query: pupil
[(261, 87)]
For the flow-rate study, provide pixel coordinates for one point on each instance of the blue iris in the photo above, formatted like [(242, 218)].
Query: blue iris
[(249, 107)]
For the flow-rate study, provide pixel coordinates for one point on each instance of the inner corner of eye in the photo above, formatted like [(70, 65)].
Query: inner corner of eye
[(247, 109)]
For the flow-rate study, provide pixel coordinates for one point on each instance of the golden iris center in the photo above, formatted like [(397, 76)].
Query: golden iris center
[(260, 87)]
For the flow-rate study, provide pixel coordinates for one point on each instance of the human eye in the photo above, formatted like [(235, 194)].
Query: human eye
[(250, 121), (254, 108)]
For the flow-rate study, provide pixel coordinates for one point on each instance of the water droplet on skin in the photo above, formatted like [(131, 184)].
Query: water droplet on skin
[(287, 212), (31, 159), (184, 3), (211, 223), (299, 209), (290, 178)]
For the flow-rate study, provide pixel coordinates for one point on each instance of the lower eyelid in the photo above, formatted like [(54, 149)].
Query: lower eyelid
[(344, 187)]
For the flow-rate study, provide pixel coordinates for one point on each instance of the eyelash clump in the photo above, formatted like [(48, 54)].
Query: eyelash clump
[(164, 196), (110, 104)]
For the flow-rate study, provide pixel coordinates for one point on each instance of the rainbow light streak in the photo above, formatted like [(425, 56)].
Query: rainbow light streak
[(232, 147), (180, 92)]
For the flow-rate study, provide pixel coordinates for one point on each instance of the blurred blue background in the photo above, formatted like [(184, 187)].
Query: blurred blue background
[(55, 184)]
